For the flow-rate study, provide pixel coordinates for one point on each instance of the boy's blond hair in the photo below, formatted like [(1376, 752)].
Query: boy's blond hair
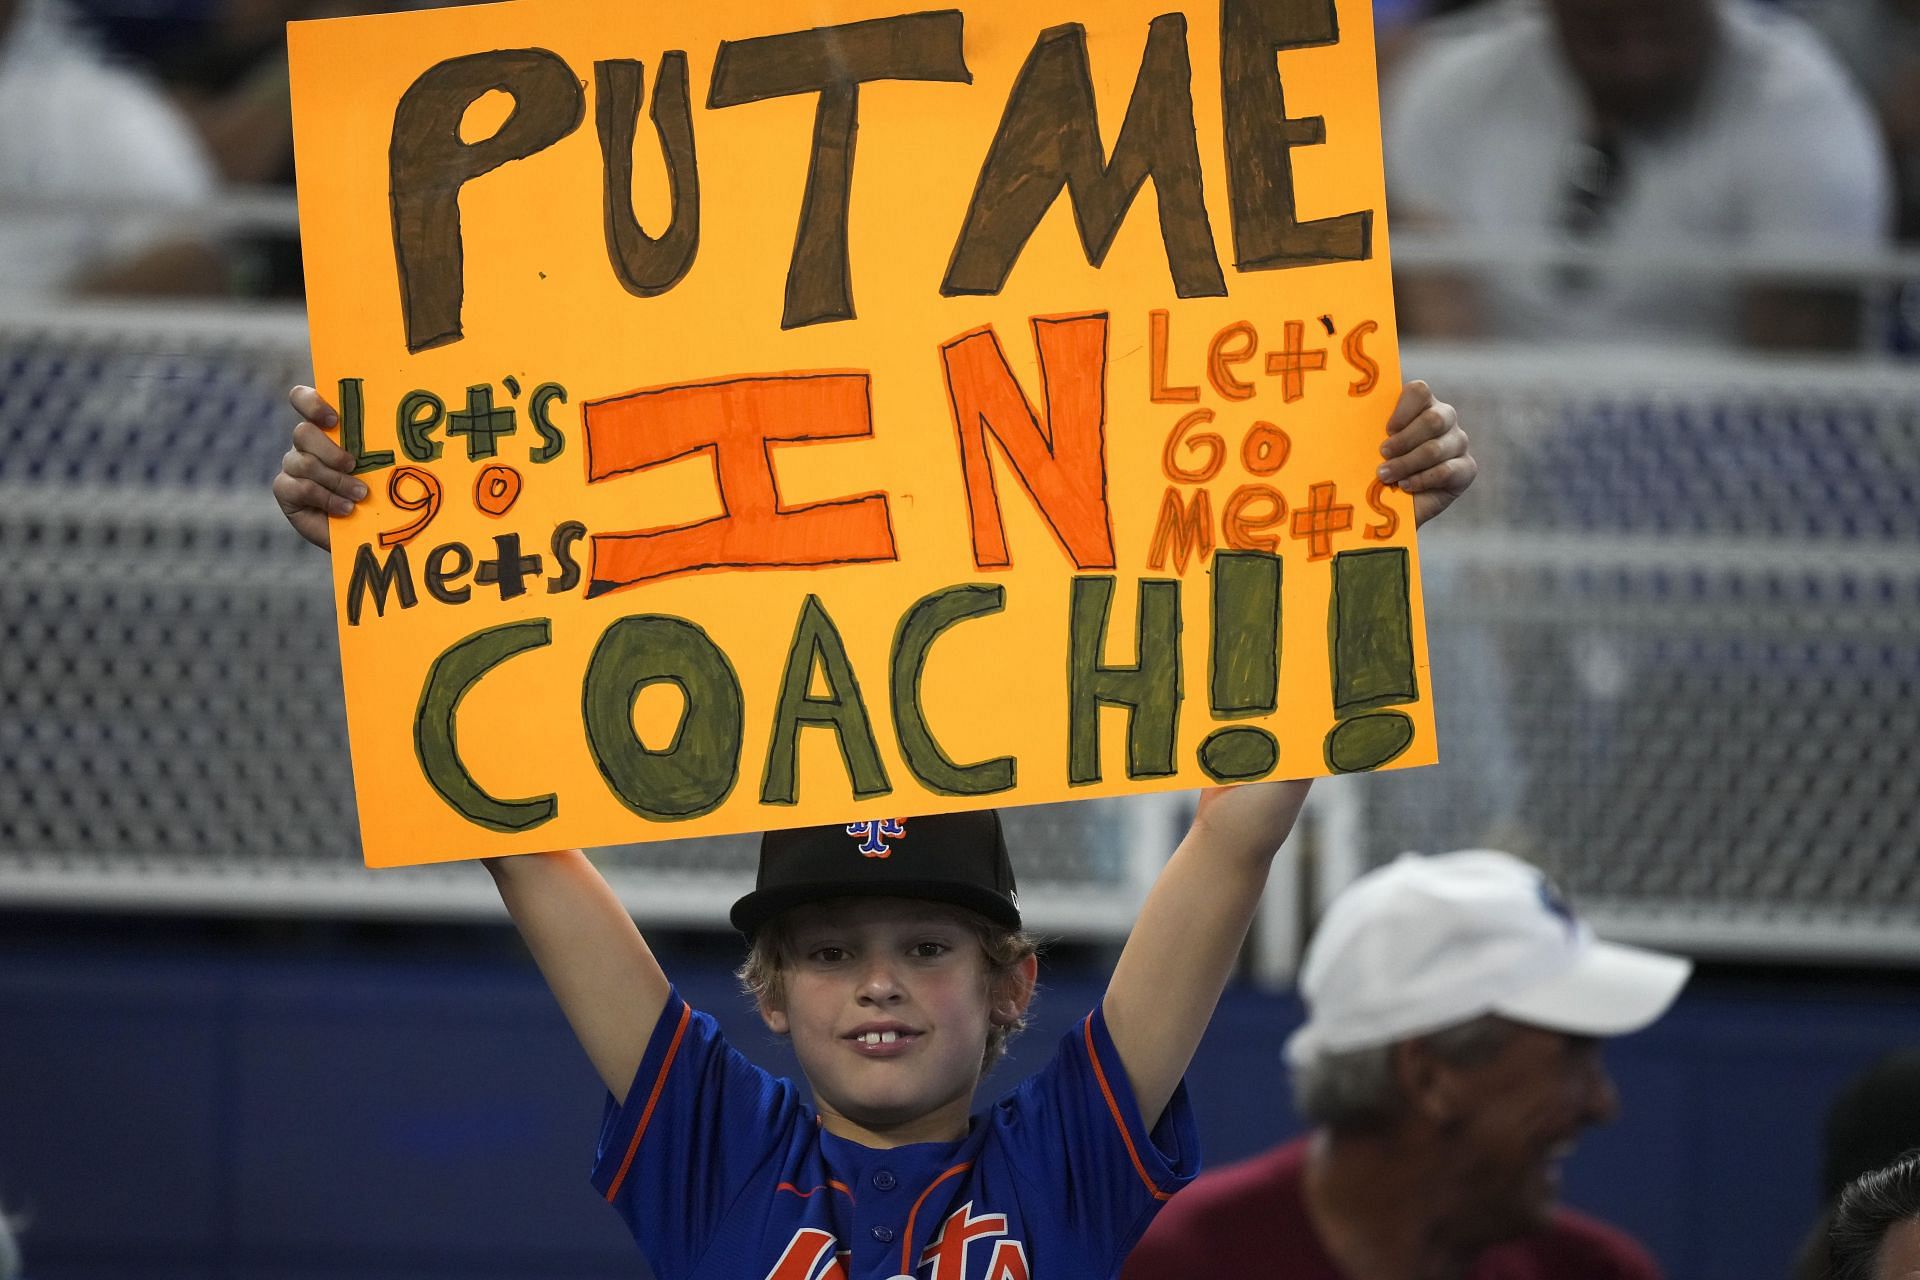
[(763, 977)]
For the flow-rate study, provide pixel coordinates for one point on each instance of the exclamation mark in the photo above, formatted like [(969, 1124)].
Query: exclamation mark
[(1370, 645), (1243, 674)]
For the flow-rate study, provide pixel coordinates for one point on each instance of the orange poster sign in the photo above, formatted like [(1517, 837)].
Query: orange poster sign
[(779, 415)]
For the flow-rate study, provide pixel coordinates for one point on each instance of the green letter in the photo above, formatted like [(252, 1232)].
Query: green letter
[(919, 628), (816, 640), (695, 771), (454, 673), (1150, 689)]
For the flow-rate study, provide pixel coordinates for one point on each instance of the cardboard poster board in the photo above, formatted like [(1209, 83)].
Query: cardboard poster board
[(779, 415)]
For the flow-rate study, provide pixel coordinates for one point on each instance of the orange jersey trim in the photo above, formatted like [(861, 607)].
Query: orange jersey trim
[(659, 1083), (1106, 1091), (832, 1183), (906, 1246)]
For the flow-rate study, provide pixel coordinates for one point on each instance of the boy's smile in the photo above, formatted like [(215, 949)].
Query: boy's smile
[(883, 1039), (888, 1004)]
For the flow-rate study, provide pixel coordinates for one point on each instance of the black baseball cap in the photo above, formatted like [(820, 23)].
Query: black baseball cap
[(958, 858)]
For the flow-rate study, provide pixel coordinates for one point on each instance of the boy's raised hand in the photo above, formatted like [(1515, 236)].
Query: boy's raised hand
[(1426, 452), (316, 475), (1255, 817), (1188, 936)]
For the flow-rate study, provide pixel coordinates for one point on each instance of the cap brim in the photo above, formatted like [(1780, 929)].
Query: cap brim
[(1612, 990), (760, 906)]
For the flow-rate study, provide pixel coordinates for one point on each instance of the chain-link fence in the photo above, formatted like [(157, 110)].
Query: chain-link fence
[(1676, 645), (172, 732), (1675, 634)]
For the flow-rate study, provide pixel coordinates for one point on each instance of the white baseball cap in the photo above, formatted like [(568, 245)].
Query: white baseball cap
[(1425, 943)]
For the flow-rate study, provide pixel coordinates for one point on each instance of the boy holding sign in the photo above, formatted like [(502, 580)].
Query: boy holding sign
[(891, 955)]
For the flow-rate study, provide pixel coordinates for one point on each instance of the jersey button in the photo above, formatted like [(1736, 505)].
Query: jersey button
[(885, 1181), (883, 1234)]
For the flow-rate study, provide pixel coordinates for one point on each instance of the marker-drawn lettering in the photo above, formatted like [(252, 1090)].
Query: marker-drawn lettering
[(1049, 142)]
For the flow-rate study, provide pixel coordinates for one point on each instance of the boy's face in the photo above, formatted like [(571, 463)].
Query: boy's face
[(888, 1002)]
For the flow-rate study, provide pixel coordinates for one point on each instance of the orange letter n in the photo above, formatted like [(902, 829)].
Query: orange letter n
[(1062, 464), (736, 422)]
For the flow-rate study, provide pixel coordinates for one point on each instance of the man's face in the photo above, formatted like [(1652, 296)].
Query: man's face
[(888, 1003), (1900, 1252), (1521, 1111), (1641, 62)]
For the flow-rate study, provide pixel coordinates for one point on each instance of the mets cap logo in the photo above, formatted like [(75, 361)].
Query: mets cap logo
[(875, 834), (1557, 905)]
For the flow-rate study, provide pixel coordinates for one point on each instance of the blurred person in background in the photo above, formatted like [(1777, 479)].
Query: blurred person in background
[(1658, 127), (92, 159), (1872, 1122), (1449, 1062), (224, 65), (228, 74), (9, 1252), (1401, 26), (1879, 40), (1876, 1226)]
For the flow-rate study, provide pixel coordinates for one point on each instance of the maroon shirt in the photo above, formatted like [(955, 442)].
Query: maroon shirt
[(1250, 1220)]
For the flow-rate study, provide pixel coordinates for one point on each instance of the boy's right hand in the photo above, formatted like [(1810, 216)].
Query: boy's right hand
[(316, 478)]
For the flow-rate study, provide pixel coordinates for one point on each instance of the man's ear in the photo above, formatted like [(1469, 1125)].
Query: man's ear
[(1429, 1086), (1013, 991)]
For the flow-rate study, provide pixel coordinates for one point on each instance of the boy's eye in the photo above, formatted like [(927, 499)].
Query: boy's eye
[(929, 950), (830, 955)]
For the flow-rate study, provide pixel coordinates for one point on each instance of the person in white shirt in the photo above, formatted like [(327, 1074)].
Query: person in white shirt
[(1635, 125), (93, 160)]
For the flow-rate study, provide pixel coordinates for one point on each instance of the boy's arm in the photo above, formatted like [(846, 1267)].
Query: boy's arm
[(1188, 937), (587, 946), (591, 954)]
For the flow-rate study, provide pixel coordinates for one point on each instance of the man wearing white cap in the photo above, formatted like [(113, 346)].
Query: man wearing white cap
[(1450, 1059)]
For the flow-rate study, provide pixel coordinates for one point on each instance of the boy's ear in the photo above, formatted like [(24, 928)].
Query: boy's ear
[(775, 1017), (1013, 992)]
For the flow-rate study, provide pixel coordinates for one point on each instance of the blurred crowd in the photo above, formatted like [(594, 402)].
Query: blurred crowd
[(1724, 172), (1693, 169), (122, 123)]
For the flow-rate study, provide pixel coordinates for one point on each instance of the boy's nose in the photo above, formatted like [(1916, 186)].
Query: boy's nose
[(877, 983)]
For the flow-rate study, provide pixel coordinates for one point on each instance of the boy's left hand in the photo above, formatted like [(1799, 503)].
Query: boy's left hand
[(1254, 818), (1426, 452)]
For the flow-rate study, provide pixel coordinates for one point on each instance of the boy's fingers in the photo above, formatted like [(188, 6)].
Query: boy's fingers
[(1415, 398), (304, 466), (309, 495), (1429, 455), (305, 505), (1451, 476), (310, 405), (312, 525), (309, 439), (1432, 423)]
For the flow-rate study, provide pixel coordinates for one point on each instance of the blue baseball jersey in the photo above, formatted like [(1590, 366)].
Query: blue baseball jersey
[(723, 1172)]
